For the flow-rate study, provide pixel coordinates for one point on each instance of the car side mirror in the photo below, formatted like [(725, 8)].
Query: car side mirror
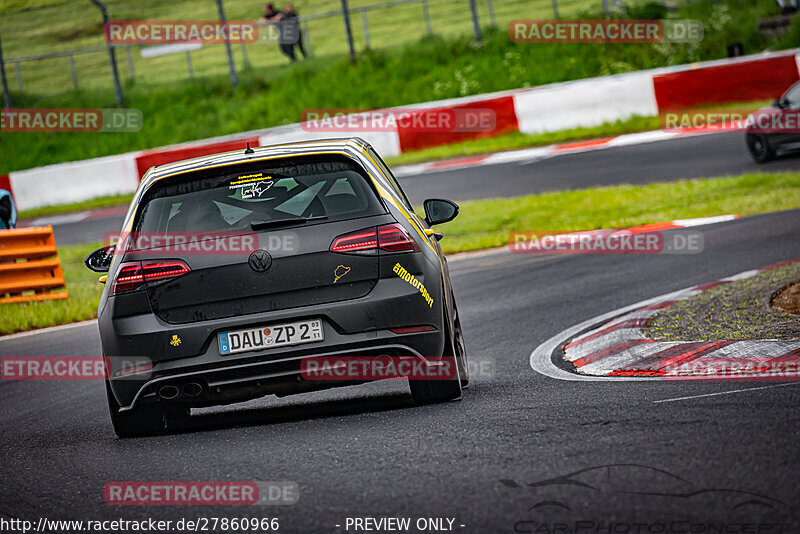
[(99, 261), (438, 211)]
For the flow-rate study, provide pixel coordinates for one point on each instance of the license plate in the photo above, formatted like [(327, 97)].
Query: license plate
[(267, 337)]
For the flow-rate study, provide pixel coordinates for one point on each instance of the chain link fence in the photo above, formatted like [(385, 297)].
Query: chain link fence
[(376, 26)]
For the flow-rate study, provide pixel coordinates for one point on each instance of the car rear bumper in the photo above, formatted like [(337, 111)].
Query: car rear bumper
[(279, 375), (178, 354), (359, 327)]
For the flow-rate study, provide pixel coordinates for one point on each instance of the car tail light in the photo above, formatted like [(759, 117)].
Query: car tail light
[(161, 270), (133, 275), (394, 238), (389, 237), (359, 241), (129, 277)]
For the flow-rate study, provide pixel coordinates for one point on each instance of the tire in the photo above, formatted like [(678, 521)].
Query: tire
[(145, 420), (433, 391), (460, 351), (759, 148)]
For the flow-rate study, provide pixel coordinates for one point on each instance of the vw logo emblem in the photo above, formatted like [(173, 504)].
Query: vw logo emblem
[(259, 261)]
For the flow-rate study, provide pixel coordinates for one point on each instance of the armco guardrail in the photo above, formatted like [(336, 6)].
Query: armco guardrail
[(29, 263)]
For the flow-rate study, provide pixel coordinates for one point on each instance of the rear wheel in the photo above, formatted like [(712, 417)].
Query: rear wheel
[(432, 391), (144, 420), (460, 352), (759, 148)]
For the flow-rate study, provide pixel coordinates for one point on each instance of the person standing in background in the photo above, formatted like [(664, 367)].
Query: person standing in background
[(288, 25), (273, 16), (270, 15), (291, 25)]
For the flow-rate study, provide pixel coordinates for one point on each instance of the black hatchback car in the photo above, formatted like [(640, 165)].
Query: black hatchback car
[(237, 273), (775, 130)]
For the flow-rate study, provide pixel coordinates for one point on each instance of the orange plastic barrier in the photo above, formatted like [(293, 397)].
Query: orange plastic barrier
[(28, 272)]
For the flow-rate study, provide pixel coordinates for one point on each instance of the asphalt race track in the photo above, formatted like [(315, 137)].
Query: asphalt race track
[(681, 158), (487, 461), (661, 161)]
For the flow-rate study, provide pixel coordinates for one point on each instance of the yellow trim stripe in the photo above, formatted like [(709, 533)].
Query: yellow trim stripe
[(397, 204)]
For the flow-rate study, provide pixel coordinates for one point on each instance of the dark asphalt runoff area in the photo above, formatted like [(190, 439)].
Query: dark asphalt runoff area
[(520, 452), (662, 161), (680, 158)]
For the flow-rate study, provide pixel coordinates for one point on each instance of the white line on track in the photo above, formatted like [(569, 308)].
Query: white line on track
[(725, 392), (541, 361), (48, 330), (540, 357)]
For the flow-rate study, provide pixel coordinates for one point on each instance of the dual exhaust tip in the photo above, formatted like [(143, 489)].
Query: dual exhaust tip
[(189, 389)]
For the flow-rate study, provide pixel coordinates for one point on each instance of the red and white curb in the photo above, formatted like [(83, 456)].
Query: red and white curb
[(612, 346), (680, 223), (529, 155)]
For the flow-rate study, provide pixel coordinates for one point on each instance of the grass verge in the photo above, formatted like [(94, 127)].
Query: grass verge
[(738, 310), (487, 223)]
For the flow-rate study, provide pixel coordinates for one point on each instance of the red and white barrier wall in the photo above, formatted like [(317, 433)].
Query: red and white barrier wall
[(588, 102), (75, 181)]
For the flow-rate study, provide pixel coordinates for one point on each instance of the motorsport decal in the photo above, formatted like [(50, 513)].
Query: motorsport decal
[(252, 185), (339, 272), (408, 277)]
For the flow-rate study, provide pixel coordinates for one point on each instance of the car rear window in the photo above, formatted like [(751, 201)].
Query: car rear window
[(209, 201)]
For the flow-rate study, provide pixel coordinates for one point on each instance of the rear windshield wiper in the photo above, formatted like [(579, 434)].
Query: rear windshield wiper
[(260, 225)]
